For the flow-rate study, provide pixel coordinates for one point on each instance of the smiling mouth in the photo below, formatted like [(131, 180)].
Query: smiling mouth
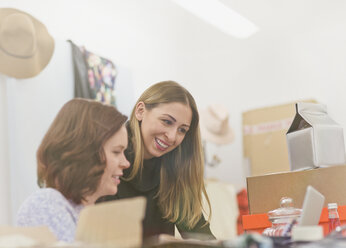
[(160, 144), (116, 179)]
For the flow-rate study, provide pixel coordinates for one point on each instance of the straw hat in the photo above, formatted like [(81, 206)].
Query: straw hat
[(26, 47), (214, 125)]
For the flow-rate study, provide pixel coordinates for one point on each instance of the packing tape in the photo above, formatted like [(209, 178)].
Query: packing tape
[(267, 127)]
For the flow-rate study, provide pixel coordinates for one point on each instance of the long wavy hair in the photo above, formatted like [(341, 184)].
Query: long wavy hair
[(70, 157), (182, 170)]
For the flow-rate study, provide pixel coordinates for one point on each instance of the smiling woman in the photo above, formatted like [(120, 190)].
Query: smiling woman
[(80, 159), (165, 152), (163, 128)]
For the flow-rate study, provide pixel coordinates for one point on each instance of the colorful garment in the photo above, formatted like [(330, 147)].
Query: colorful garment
[(94, 76), (101, 76)]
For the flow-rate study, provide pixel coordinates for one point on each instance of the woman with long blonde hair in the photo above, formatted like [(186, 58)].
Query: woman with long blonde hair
[(166, 156)]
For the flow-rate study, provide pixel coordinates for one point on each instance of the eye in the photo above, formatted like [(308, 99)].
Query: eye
[(182, 130), (116, 152), (167, 122)]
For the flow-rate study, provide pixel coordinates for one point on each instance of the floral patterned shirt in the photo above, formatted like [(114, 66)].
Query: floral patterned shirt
[(48, 207)]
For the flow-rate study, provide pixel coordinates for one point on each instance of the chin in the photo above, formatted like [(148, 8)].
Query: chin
[(158, 153), (163, 153), (113, 191)]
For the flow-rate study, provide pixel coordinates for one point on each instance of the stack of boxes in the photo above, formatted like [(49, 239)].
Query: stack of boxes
[(279, 143)]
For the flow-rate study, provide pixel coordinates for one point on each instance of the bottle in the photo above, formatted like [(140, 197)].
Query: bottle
[(333, 216)]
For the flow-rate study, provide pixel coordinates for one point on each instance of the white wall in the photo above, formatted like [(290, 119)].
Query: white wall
[(5, 206), (298, 53), (31, 107)]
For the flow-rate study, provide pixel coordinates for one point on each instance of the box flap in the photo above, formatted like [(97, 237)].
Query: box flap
[(310, 115), (115, 223)]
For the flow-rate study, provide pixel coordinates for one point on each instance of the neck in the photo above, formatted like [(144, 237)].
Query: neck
[(90, 200), (147, 155)]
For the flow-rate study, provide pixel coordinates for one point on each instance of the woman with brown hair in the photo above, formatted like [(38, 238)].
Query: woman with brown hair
[(80, 159), (166, 157)]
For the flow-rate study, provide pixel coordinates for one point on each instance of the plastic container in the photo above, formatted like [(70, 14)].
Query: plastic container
[(333, 216), (282, 219)]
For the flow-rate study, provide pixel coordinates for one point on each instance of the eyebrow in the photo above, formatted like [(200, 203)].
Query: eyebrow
[(176, 120), (119, 146)]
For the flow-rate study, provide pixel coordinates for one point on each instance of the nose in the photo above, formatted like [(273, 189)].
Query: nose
[(124, 163), (171, 135)]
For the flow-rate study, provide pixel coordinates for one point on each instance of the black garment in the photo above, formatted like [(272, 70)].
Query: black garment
[(81, 80), (148, 185)]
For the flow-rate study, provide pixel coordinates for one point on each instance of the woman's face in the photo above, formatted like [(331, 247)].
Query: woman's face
[(116, 162), (164, 127)]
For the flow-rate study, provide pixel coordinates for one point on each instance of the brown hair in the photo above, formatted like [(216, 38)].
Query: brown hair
[(182, 176), (71, 157)]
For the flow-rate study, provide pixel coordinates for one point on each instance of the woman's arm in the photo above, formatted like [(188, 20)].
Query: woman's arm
[(201, 230)]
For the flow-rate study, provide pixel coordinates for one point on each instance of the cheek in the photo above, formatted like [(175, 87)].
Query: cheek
[(151, 126), (104, 180), (179, 140), (113, 165), (146, 131), (109, 166)]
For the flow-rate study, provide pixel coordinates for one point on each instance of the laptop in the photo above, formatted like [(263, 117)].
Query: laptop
[(312, 207)]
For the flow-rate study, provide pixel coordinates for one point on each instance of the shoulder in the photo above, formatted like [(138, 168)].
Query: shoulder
[(43, 202), (48, 207), (45, 196)]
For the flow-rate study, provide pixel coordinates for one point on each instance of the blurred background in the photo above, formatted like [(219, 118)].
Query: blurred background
[(297, 51)]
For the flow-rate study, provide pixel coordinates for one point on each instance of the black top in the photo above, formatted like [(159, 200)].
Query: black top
[(147, 185)]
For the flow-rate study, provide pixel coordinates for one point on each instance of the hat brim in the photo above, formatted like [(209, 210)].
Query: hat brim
[(27, 67), (226, 138)]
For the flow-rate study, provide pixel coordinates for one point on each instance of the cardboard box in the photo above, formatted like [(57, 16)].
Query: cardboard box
[(264, 138), (259, 222), (24, 236), (265, 192), (314, 139), (112, 224)]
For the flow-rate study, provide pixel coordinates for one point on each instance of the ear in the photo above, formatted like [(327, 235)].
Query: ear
[(140, 109)]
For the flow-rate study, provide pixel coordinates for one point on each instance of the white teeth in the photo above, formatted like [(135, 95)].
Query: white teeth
[(161, 144)]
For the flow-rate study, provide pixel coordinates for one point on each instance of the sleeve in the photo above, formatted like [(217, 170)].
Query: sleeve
[(48, 210), (200, 231)]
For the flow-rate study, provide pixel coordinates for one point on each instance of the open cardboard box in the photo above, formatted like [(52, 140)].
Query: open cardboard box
[(314, 139), (115, 223), (264, 138), (108, 224)]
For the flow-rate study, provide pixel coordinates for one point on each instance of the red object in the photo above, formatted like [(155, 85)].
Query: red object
[(259, 222), (243, 206), (333, 223), (333, 215)]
